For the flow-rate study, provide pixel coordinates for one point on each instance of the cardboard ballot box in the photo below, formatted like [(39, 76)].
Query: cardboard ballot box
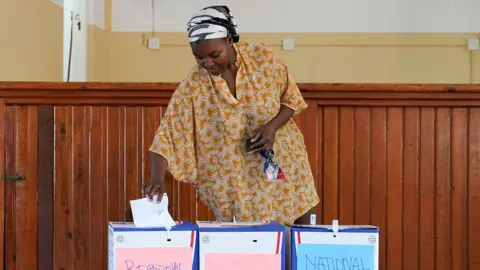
[(145, 248), (235, 246), (334, 247)]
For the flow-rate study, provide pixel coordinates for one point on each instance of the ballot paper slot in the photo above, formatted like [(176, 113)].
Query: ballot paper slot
[(336, 229), (119, 224), (150, 238), (216, 224), (236, 245), (169, 239), (245, 241)]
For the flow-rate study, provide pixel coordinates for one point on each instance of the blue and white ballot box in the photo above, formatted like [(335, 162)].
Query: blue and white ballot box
[(334, 247), (242, 245), (131, 247)]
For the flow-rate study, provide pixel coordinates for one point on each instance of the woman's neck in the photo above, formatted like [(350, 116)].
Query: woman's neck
[(232, 66)]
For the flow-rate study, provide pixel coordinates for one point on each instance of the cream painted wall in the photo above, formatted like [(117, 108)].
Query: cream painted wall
[(32, 49), (98, 55), (347, 58), (422, 41), (31, 42), (475, 67)]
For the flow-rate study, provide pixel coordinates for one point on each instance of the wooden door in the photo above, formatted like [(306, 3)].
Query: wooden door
[(21, 192), (27, 223)]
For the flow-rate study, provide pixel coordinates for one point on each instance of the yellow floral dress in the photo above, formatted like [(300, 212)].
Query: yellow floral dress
[(203, 132)]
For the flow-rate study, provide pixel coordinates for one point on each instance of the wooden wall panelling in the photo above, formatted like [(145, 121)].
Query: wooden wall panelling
[(427, 189), (411, 154), (98, 189), (10, 127), (405, 161), (443, 185), (378, 161), (330, 207), (473, 190), (62, 207), (459, 187), (45, 186), (403, 169), (394, 228), (2, 183), (133, 156), (115, 173), (362, 170), (346, 170), (9, 225), (319, 162)]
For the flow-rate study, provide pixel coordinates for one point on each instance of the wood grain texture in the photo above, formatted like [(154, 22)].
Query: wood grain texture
[(21, 146), (45, 186), (2, 184), (405, 158)]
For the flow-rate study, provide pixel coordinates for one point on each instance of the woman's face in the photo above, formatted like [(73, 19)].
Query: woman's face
[(215, 55)]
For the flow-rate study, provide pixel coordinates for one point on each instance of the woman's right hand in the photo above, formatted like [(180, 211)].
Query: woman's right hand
[(152, 189), (157, 179)]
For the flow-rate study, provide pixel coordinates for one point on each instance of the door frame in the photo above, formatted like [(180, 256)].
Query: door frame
[(78, 39)]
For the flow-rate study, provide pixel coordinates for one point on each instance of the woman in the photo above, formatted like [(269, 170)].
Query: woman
[(240, 97)]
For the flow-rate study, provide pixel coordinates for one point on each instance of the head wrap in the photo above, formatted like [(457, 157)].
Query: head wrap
[(211, 23)]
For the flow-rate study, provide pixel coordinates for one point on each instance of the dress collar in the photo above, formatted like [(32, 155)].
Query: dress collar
[(238, 61)]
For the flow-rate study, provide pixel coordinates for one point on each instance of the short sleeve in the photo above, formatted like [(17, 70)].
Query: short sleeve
[(290, 94), (174, 139)]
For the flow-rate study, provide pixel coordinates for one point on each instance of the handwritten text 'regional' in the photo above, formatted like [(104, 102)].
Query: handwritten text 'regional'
[(130, 265)]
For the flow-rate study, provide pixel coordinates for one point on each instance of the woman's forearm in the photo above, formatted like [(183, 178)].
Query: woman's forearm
[(282, 117), (158, 168)]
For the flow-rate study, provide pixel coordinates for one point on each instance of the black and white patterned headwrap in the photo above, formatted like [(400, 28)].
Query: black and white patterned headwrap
[(211, 23)]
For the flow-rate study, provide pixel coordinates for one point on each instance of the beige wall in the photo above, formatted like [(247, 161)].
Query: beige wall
[(32, 51), (98, 55), (475, 67), (31, 41), (98, 49), (342, 58)]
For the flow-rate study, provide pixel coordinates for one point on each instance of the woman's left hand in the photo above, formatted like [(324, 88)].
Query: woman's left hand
[(265, 136)]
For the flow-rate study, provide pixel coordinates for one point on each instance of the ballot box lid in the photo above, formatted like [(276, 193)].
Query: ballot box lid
[(130, 226), (330, 228), (272, 226)]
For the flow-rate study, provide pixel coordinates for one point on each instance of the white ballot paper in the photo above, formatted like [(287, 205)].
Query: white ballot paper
[(147, 213)]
